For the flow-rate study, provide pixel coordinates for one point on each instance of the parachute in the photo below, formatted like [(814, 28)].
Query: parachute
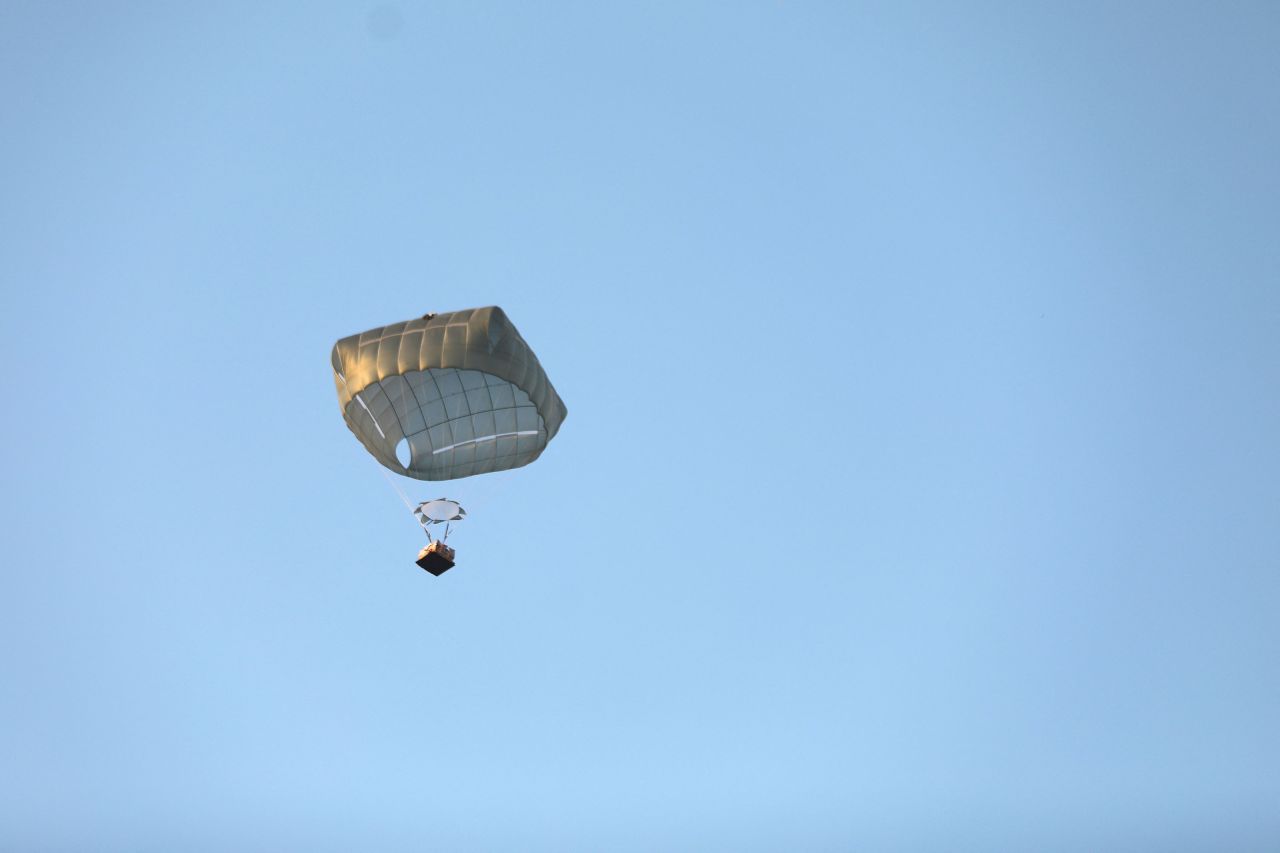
[(439, 511), (446, 396)]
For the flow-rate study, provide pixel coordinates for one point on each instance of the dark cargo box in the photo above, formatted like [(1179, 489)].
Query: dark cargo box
[(436, 558)]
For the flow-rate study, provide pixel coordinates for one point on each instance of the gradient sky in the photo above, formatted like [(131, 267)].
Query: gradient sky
[(920, 488)]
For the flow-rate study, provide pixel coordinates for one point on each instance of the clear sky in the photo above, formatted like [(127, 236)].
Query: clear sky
[(920, 489)]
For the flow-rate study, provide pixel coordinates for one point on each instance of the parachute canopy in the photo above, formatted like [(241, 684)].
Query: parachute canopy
[(439, 511), (447, 395)]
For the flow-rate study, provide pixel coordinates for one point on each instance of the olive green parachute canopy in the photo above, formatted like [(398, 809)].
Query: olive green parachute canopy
[(447, 395)]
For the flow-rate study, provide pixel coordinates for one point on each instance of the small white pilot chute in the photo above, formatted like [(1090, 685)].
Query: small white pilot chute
[(439, 511)]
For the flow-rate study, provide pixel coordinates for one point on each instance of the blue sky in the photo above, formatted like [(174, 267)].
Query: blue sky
[(920, 487)]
